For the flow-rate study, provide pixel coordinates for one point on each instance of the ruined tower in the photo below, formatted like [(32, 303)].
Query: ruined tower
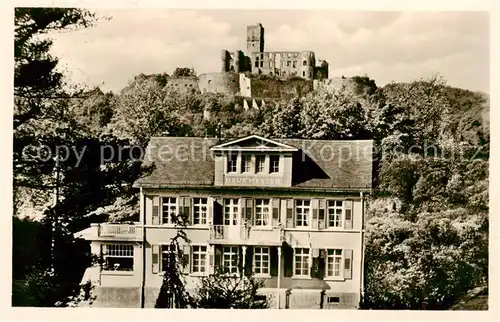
[(255, 39)]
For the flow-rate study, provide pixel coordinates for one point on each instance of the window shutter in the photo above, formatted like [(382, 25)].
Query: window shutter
[(155, 259), (218, 257), (249, 261), (348, 214), (249, 211), (276, 211), (289, 214), (186, 256), (211, 259), (156, 210), (187, 210), (348, 263), (217, 219), (321, 214), (273, 261), (322, 267), (315, 209), (210, 207), (288, 261), (315, 267)]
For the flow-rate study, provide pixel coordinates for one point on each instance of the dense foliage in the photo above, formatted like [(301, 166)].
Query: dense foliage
[(427, 228)]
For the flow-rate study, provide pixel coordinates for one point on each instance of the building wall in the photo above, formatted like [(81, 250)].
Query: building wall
[(255, 38), (334, 83), (278, 89), (184, 84), (284, 64), (227, 82)]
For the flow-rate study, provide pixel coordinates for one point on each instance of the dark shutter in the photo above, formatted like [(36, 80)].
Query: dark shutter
[(186, 256), (276, 211), (289, 214), (315, 267), (217, 211), (218, 257), (249, 211), (155, 258), (273, 257), (348, 213), (348, 263), (321, 267), (187, 210), (321, 214), (249, 261), (288, 261), (156, 210), (211, 258), (315, 209)]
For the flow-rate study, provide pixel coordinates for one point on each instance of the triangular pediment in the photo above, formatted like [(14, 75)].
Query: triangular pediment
[(253, 143)]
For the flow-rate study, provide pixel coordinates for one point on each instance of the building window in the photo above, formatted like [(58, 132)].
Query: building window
[(288, 63), (168, 253), (304, 63), (284, 73), (168, 210), (301, 260), (333, 300), (310, 74), (118, 257), (230, 259), (199, 259), (335, 213), (304, 74), (260, 163), (334, 263), (302, 210), (289, 55), (256, 63), (232, 161), (274, 163), (294, 64), (262, 211), (261, 64), (231, 211), (261, 260), (199, 211), (270, 64), (245, 163)]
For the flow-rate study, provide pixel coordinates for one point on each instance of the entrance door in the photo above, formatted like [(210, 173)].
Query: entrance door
[(231, 219)]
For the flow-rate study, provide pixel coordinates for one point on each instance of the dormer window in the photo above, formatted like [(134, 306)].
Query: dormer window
[(260, 161), (232, 160), (245, 163), (274, 163)]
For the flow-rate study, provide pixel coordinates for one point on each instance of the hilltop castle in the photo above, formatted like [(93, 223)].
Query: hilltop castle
[(258, 75)]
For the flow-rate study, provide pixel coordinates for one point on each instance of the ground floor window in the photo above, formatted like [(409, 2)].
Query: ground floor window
[(199, 259), (334, 263), (118, 257), (301, 262), (261, 260), (230, 259), (168, 253)]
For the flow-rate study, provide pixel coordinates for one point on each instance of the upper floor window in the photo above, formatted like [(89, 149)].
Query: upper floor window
[(274, 163), (294, 64), (118, 257), (199, 255), (335, 213), (231, 211), (199, 211), (169, 210), (302, 211), (334, 263), (232, 161), (288, 63), (245, 163), (304, 63), (262, 211), (260, 163)]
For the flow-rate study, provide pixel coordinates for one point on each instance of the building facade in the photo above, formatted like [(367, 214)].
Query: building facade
[(288, 211)]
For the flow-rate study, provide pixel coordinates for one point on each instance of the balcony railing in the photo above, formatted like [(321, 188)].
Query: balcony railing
[(244, 233), (228, 232), (131, 231)]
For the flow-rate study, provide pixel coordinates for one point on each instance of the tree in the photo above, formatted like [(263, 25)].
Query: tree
[(173, 292), (223, 291), (184, 71)]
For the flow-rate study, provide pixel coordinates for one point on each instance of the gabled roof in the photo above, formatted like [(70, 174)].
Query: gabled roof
[(317, 164), (253, 143)]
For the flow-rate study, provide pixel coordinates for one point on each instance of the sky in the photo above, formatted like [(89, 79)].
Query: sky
[(386, 46)]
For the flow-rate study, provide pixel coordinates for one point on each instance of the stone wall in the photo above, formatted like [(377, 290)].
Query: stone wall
[(184, 84), (227, 82), (271, 88)]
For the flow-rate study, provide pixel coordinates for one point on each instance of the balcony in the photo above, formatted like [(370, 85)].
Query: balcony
[(245, 235), (112, 232)]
